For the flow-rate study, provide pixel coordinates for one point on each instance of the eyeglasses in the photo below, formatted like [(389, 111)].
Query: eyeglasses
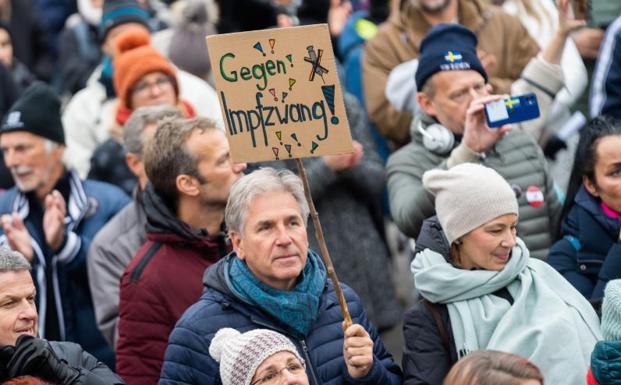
[(275, 377), (144, 86)]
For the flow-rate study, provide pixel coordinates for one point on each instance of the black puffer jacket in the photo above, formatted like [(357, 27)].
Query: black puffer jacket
[(430, 349), (92, 371), (427, 357)]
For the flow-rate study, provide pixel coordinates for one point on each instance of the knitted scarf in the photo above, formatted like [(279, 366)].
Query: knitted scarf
[(297, 308), (550, 323)]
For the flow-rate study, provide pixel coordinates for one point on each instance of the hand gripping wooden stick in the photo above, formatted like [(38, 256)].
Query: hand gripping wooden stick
[(322, 245)]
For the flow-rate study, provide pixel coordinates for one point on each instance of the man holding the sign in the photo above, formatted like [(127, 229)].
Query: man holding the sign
[(273, 280)]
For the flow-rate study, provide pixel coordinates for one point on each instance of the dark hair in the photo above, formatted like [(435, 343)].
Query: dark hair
[(166, 155), (490, 367), (7, 28), (586, 157), (379, 10)]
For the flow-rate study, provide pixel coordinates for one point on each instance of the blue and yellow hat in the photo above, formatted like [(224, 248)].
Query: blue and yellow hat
[(447, 47)]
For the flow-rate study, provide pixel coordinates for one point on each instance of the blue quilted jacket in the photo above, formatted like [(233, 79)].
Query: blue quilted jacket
[(589, 254), (187, 359)]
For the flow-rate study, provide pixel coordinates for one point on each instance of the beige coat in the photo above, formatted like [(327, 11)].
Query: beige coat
[(398, 40)]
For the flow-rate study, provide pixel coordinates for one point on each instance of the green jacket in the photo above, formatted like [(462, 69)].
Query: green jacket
[(516, 157)]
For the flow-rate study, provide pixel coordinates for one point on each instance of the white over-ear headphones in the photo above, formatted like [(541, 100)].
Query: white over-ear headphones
[(437, 138)]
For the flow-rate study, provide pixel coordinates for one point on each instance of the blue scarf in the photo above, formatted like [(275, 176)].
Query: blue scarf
[(297, 308)]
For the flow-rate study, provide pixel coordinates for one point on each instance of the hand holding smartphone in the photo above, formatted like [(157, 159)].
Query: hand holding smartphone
[(513, 109)]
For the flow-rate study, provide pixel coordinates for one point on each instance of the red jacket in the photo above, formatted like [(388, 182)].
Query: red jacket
[(163, 279)]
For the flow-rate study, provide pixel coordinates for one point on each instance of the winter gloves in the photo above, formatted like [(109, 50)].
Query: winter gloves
[(34, 356)]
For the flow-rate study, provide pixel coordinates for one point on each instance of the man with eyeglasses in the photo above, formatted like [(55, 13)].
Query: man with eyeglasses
[(452, 129)]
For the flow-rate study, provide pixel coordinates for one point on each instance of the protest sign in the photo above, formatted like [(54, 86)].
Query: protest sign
[(279, 93)]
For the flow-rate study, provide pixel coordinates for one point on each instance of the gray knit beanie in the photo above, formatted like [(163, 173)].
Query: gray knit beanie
[(611, 311), (240, 354), (468, 196)]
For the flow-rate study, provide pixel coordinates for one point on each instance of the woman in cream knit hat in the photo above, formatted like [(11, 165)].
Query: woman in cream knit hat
[(257, 357), (480, 289)]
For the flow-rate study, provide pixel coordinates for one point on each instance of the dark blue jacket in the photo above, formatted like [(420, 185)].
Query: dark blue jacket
[(91, 204), (187, 359), (605, 98), (606, 362), (589, 254)]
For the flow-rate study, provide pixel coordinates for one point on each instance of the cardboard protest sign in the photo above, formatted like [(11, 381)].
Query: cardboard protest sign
[(279, 93)]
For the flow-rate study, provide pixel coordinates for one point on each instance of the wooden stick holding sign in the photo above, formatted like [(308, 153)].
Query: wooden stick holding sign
[(322, 245), (281, 99)]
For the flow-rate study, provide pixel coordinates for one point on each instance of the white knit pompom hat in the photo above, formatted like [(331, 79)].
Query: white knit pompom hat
[(240, 354), (467, 196)]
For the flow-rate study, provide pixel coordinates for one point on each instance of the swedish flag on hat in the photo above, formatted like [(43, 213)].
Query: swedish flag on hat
[(447, 47)]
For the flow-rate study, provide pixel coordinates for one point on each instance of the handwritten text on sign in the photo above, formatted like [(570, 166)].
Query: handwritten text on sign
[(279, 93)]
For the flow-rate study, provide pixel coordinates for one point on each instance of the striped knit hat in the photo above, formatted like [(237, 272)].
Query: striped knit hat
[(117, 12), (240, 354)]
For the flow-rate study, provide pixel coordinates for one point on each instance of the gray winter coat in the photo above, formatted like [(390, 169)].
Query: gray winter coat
[(516, 157), (109, 254)]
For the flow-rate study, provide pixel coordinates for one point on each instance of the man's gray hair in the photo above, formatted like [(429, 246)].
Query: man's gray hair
[(139, 119), (12, 260), (257, 183)]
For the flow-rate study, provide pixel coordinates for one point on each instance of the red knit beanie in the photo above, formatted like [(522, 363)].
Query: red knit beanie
[(136, 57)]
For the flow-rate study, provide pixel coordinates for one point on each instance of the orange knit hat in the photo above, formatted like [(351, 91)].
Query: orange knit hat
[(136, 57)]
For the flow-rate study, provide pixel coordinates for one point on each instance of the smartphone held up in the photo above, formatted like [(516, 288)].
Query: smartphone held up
[(512, 109)]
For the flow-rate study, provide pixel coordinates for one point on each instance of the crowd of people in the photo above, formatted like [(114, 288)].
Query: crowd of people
[(134, 250)]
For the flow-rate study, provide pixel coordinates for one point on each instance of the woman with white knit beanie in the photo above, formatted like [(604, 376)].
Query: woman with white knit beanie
[(257, 357), (480, 289)]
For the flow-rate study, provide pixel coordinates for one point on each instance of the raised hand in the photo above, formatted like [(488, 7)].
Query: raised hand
[(477, 135), (345, 161), (17, 235), (566, 21), (54, 220)]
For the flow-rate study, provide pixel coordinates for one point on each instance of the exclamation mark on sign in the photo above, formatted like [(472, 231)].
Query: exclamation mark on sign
[(295, 137), (272, 44), (291, 83), (279, 136), (284, 95), (288, 148), (313, 147), (290, 58), (259, 48), (273, 92), (275, 150), (328, 94)]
